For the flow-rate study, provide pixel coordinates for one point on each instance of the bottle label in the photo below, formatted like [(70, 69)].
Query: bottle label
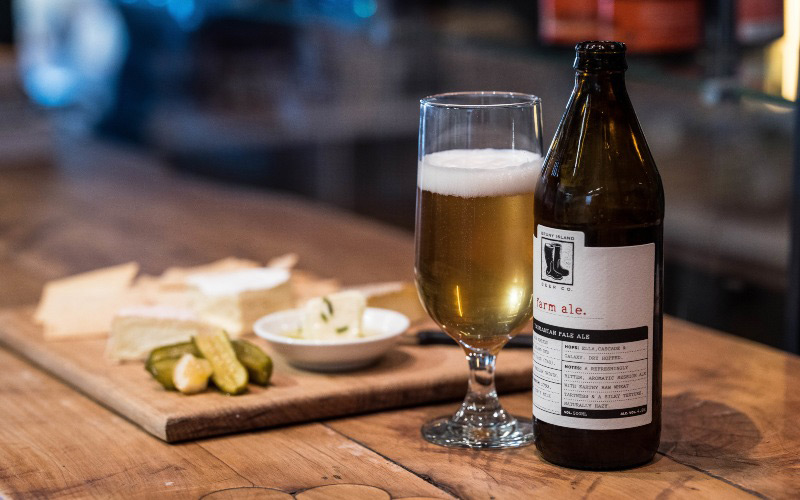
[(592, 332)]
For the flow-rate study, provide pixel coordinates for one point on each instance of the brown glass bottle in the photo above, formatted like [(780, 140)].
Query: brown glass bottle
[(598, 180)]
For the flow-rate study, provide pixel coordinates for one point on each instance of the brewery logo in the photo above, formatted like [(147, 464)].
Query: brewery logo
[(557, 264)]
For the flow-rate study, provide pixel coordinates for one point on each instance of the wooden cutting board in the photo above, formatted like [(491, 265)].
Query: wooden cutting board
[(409, 375)]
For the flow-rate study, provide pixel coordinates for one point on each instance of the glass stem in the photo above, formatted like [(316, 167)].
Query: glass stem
[(481, 408)]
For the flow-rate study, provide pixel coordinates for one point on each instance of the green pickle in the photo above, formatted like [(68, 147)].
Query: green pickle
[(162, 371), (256, 361), (249, 362), (174, 351), (230, 376)]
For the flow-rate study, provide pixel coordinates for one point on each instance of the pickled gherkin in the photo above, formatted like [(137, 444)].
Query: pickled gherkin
[(162, 370), (230, 376), (256, 361), (173, 351), (162, 361)]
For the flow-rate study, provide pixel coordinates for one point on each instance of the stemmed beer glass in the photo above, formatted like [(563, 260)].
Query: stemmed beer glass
[(479, 156)]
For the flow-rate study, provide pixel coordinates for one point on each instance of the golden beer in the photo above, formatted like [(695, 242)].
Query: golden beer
[(475, 243)]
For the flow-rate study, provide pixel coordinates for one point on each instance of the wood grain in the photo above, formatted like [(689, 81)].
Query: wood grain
[(729, 430), (344, 492), (56, 443), (519, 473), (731, 408), (406, 376), (290, 459), (107, 205)]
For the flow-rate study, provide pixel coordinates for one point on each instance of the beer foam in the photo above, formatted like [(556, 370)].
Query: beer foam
[(471, 173)]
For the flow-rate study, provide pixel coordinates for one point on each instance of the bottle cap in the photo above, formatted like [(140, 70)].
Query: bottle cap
[(600, 56)]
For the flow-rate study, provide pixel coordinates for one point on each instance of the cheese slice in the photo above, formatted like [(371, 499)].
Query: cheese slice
[(84, 305), (149, 291), (335, 316), (135, 331), (400, 296), (175, 277), (235, 300)]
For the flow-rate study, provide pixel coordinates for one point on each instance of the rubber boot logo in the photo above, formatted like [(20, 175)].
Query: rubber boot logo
[(557, 265)]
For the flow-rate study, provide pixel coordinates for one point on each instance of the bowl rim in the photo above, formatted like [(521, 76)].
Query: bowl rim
[(284, 340)]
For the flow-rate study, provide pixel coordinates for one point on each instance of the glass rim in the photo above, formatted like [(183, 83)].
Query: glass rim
[(514, 99)]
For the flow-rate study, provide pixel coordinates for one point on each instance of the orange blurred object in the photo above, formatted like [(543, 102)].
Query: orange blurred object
[(653, 25), (567, 22), (644, 25)]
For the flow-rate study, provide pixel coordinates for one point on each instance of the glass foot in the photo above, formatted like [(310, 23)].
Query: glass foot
[(444, 431)]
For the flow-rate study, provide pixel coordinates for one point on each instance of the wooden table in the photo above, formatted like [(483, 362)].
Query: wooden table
[(730, 410)]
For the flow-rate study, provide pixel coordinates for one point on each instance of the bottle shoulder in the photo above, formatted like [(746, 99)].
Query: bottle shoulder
[(599, 167)]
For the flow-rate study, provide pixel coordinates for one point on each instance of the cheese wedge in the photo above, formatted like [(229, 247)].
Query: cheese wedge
[(175, 277), (335, 316), (135, 331), (234, 300), (149, 291), (400, 296), (84, 305)]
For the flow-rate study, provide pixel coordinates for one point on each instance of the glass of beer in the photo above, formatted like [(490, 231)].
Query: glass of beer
[(479, 157)]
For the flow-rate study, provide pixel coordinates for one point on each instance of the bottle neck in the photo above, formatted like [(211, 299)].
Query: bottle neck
[(611, 84)]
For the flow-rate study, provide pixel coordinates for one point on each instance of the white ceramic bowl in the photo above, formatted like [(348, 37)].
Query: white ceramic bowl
[(381, 326)]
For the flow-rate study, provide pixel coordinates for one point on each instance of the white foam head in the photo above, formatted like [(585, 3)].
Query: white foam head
[(471, 173)]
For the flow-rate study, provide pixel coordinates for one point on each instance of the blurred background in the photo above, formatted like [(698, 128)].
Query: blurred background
[(320, 98)]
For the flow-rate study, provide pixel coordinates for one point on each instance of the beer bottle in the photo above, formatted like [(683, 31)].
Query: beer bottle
[(598, 272)]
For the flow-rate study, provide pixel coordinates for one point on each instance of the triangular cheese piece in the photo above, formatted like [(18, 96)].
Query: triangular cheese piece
[(84, 305)]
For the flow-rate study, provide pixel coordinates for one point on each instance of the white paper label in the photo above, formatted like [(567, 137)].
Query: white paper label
[(592, 332)]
